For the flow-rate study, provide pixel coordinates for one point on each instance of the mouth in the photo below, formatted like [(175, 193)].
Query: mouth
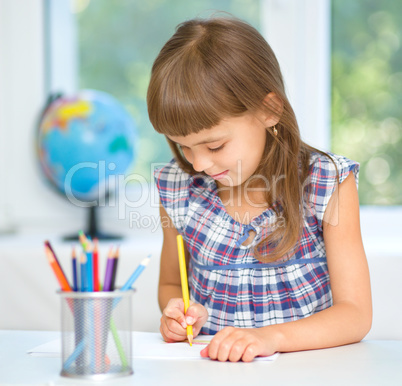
[(220, 175)]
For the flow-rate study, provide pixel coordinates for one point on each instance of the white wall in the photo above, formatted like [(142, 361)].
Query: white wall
[(21, 97)]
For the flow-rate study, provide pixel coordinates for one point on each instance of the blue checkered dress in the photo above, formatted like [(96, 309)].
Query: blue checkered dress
[(236, 289)]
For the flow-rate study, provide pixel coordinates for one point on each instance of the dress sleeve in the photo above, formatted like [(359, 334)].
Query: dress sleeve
[(173, 187), (323, 180)]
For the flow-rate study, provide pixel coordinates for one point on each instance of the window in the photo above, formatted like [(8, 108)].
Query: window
[(117, 44), (367, 94), (299, 32)]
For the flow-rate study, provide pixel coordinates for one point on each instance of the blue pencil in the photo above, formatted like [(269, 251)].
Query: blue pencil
[(84, 275), (128, 284), (90, 269), (75, 277)]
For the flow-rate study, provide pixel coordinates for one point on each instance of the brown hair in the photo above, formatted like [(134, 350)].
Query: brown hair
[(216, 68)]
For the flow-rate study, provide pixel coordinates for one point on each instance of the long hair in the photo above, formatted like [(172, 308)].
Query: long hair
[(217, 68)]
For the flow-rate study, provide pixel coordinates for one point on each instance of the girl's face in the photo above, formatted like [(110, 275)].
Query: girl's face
[(229, 152)]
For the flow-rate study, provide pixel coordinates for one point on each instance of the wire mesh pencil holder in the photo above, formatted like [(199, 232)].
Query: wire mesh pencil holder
[(96, 334)]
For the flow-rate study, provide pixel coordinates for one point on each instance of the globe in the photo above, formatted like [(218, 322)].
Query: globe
[(85, 142)]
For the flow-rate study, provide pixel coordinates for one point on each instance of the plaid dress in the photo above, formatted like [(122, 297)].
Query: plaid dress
[(236, 289)]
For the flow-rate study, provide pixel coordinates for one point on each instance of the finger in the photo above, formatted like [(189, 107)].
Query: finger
[(237, 350), (174, 326), (196, 316), (224, 351), (204, 352), (171, 334), (219, 344), (175, 314), (250, 353), (171, 326), (192, 315)]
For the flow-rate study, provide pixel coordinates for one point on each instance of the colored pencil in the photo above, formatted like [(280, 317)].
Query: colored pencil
[(61, 277), (88, 249), (128, 284), (74, 265), (184, 284), (134, 276), (109, 271), (83, 240), (47, 244), (84, 275), (90, 270), (96, 265), (114, 270)]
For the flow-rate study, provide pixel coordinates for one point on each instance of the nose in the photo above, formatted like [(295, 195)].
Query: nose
[(201, 162)]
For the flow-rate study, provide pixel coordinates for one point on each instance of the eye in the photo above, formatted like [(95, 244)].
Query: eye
[(216, 149)]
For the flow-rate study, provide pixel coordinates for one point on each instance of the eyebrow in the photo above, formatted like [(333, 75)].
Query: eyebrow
[(207, 140)]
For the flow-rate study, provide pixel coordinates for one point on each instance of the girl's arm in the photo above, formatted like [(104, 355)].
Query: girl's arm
[(347, 321), (169, 276), (173, 321)]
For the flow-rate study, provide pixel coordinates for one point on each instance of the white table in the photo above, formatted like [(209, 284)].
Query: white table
[(366, 363)]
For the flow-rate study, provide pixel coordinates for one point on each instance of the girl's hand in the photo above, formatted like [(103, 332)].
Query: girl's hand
[(235, 344), (174, 322)]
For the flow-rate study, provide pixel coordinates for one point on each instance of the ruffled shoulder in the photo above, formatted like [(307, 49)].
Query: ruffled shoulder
[(179, 190), (173, 186), (325, 174)]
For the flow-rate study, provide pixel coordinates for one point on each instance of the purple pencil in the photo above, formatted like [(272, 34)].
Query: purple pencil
[(107, 284)]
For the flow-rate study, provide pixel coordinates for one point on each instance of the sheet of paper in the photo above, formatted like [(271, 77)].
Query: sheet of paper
[(152, 346), (50, 349), (149, 345)]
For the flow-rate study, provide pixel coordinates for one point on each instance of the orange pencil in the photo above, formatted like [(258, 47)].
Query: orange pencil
[(61, 278), (47, 244)]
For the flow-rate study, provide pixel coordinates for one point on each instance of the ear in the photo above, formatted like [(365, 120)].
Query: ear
[(272, 109)]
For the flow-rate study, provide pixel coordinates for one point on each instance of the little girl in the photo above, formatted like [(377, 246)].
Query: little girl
[(271, 225)]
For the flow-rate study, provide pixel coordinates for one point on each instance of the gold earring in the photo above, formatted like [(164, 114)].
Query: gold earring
[(275, 131)]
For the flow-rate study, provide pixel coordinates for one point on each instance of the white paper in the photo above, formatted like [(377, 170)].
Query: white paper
[(148, 345), (50, 349)]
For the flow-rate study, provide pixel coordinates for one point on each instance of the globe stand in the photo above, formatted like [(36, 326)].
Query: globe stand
[(92, 229)]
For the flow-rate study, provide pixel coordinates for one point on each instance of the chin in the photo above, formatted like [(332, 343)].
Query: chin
[(228, 182)]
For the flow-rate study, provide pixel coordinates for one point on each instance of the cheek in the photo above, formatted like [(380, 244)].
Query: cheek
[(258, 142), (188, 155)]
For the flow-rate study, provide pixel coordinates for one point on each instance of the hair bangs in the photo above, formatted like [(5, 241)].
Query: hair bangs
[(190, 97)]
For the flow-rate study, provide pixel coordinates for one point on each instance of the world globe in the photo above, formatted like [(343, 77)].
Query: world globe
[(84, 142)]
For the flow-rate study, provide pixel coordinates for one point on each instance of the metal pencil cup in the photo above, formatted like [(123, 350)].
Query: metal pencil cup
[(96, 334)]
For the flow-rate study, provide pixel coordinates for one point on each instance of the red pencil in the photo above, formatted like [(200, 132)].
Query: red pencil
[(96, 265), (61, 278)]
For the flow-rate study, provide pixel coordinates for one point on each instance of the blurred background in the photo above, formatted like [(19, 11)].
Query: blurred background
[(72, 45), (341, 61)]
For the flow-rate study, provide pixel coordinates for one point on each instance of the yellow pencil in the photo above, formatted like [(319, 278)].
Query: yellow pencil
[(184, 284)]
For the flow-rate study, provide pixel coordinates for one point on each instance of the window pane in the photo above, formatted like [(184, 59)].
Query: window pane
[(118, 41), (367, 94)]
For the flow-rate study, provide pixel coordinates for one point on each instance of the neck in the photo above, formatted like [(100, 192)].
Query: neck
[(244, 194)]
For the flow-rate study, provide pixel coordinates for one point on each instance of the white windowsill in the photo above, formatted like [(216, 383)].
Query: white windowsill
[(381, 229)]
